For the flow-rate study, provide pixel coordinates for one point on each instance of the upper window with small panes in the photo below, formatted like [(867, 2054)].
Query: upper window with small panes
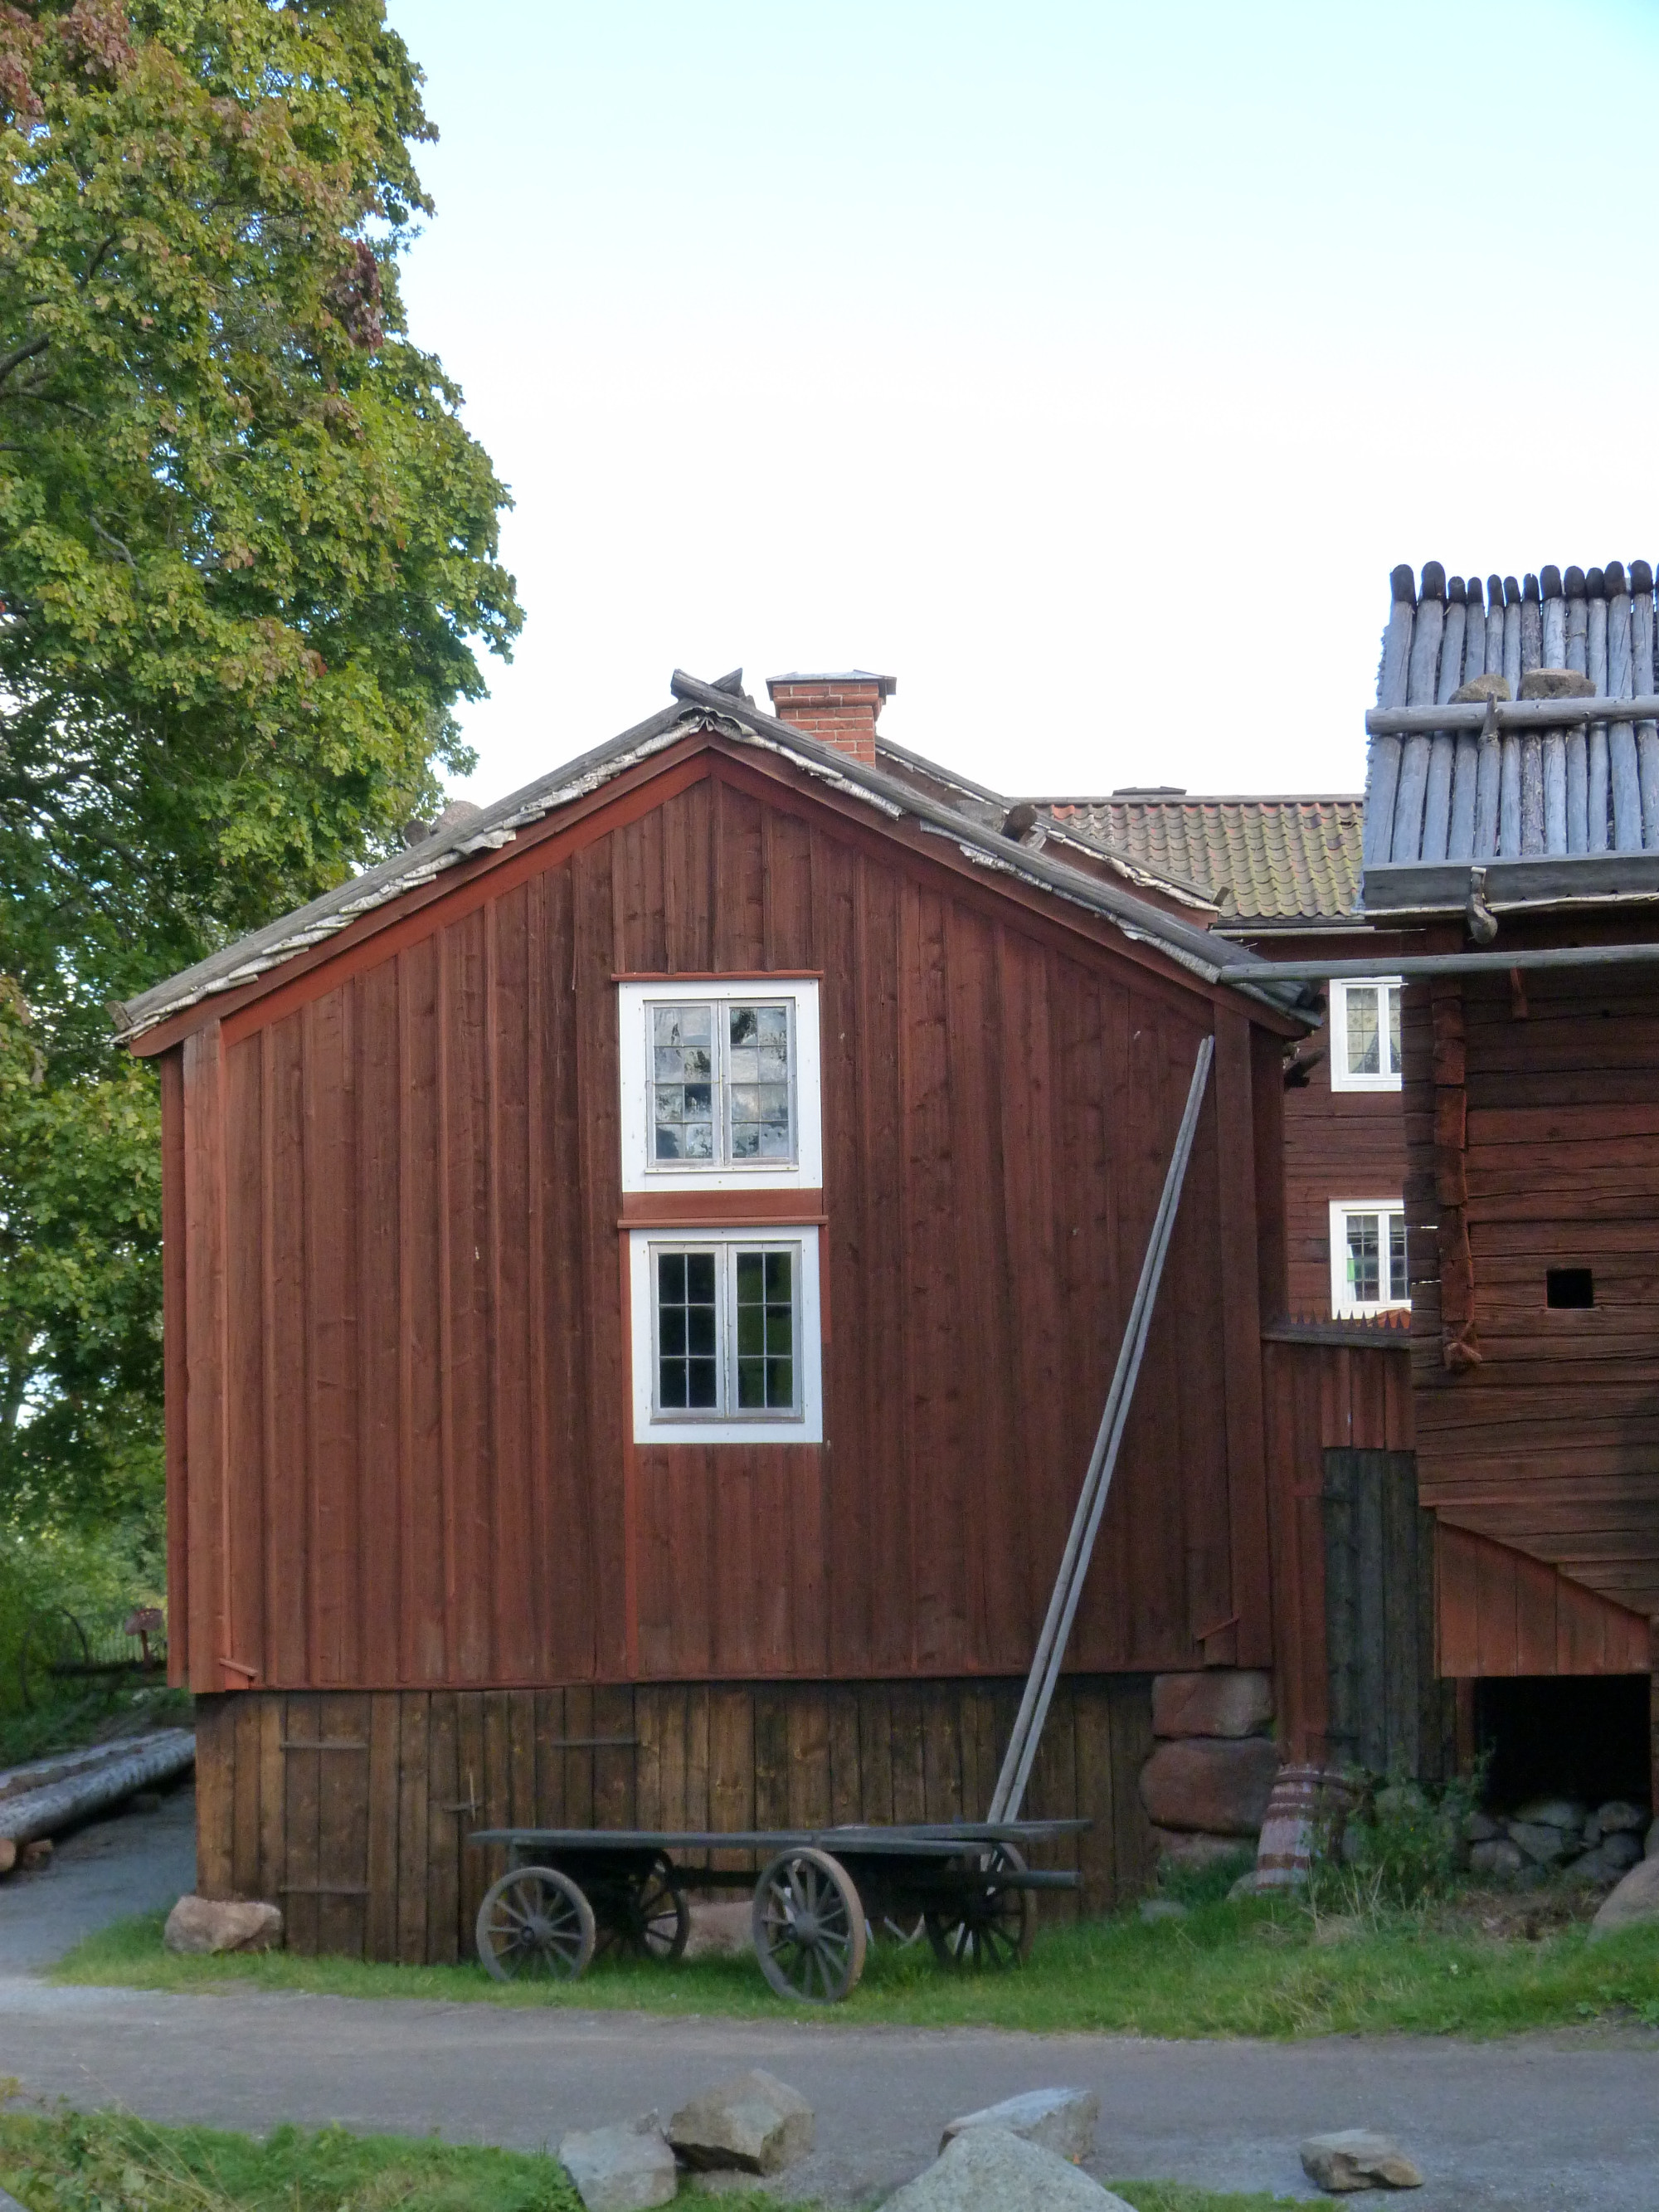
[(1364, 1020), (720, 1085)]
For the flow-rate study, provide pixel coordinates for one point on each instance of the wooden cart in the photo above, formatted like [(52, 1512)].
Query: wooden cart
[(569, 1892)]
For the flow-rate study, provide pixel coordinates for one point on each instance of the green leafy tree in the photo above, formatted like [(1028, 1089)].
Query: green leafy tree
[(247, 551)]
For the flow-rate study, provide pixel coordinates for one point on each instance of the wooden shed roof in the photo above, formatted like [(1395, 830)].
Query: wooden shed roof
[(1556, 806), (1074, 867)]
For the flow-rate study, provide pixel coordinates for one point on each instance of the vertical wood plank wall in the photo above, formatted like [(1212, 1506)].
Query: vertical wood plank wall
[(407, 1462), (1551, 1444), (351, 1808), (1502, 1612), (1320, 1395)]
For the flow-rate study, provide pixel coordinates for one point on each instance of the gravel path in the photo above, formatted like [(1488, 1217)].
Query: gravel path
[(1541, 2124), (1566, 2123)]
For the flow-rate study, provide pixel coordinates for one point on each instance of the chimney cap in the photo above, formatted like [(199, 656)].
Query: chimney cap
[(888, 684)]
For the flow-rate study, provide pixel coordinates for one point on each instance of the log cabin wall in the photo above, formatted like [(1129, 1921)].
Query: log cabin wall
[(401, 1457), (1533, 1126), (352, 1808)]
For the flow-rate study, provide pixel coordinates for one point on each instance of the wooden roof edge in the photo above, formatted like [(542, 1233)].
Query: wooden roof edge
[(263, 951)]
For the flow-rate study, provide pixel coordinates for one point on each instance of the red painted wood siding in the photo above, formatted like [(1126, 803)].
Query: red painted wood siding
[(418, 1298), (1551, 1445)]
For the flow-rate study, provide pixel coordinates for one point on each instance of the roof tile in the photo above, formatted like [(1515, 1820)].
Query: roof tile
[(1283, 859)]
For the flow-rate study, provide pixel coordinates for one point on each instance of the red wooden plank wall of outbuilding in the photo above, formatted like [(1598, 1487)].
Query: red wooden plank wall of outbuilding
[(413, 1336), (1321, 1394)]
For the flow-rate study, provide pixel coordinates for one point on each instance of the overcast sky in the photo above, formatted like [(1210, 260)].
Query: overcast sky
[(1086, 368)]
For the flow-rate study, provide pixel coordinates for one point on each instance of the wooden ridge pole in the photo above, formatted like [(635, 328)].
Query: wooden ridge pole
[(1040, 1683)]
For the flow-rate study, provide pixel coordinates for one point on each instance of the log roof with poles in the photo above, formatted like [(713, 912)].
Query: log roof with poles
[(1514, 747)]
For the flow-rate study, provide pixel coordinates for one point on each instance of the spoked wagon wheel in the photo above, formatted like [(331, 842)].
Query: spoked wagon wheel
[(809, 1927), (994, 1924), (649, 1919), (535, 1923), (54, 1650)]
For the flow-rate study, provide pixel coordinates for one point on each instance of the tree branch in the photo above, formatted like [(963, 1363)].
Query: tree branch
[(19, 355), (113, 543)]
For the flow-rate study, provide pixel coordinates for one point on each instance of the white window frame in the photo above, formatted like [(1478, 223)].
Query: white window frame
[(680, 1425), (640, 1171), (1341, 1078), (1344, 1307)]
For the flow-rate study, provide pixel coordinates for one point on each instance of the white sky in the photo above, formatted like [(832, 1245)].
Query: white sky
[(1085, 366)]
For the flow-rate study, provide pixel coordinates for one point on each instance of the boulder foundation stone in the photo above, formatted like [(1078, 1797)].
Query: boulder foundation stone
[(1217, 1785), (623, 2168), (1354, 2158), (1223, 1701), (1634, 1901), (988, 2170), (212, 1924), (754, 2123), (1061, 2120)]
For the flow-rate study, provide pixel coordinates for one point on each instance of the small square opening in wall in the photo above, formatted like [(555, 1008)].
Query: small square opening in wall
[(1569, 1286)]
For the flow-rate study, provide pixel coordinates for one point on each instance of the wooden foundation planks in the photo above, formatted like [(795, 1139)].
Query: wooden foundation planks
[(352, 1809)]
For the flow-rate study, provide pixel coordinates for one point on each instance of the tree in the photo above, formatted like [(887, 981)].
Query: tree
[(246, 549)]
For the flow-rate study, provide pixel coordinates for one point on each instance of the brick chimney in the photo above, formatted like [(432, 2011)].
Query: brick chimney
[(837, 710)]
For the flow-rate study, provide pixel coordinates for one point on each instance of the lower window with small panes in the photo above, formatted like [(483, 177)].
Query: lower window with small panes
[(725, 1334), (1368, 1257)]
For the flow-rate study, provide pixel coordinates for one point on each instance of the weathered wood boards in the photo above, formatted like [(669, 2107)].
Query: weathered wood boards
[(1550, 1445), (385, 1871), (404, 1312)]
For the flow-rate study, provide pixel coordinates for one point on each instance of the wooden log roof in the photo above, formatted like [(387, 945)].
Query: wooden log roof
[(1556, 805), (1065, 862)]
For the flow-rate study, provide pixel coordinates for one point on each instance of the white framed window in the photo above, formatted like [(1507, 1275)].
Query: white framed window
[(1368, 1256), (720, 1085), (1364, 1019), (725, 1336)]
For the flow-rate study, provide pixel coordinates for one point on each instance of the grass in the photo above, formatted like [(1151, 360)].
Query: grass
[(66, 2161), (1257, 1968)]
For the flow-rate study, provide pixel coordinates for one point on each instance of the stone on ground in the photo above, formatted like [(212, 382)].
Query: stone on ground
[(1499, 1857), (623, 2168), (1564, 1813), (1651, 1846), (8, 1853), (1154, 1909), (720, 1930), (215, 1923), (1061, 2120), (1613, 1855), (1635, 1901), (754, 2123), (1354, 2158), (1542, 1844), (1620, 1817), (1225, 1701), (1217, 1785), (988, 2170)]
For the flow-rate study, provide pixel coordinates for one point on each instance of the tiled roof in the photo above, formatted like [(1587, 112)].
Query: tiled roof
[(1283, 859)]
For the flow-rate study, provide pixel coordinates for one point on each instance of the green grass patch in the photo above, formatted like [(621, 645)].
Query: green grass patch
[(110, 2162), (1257, 1968)]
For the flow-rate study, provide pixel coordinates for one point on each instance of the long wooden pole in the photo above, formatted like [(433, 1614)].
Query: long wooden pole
[(1040, 1683)]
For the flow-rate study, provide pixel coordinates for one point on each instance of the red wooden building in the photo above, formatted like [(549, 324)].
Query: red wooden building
[(643, 1270), (1282, 875), (1512, 837)]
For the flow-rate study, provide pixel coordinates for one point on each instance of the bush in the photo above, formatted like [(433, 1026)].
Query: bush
[(99, 1577), (1399, 1846)]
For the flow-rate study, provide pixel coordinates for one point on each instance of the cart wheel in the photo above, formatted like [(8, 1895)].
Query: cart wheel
[(535, 1923), (649, 1920), (996, 1923), (53, 1643), (809, 1927)]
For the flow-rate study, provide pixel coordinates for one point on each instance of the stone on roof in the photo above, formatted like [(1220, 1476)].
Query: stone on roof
[(1281, 859), (1556, 811)]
